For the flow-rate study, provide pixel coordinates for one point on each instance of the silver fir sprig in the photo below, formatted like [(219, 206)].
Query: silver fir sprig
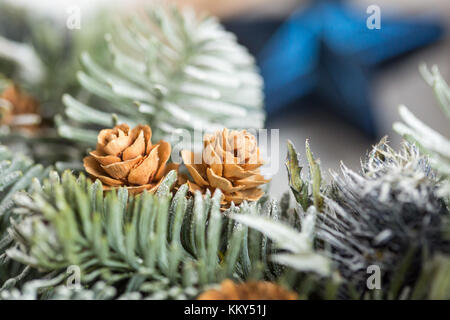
[(159, 245), (170, 68), (429, 141)]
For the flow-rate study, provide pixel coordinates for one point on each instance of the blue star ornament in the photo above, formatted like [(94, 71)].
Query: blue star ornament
[(329, 51)]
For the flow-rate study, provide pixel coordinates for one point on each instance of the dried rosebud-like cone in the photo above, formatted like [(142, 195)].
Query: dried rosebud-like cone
[(19, 110), (127, 158), (255, 290), (230, 162)]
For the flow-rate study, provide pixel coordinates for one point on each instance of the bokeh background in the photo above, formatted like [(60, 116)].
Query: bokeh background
[(332, 139)]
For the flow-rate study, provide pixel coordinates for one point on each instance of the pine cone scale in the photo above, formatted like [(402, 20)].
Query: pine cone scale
[(95, 170), (164, 154), (223, 184), (104, 160), (197, 171), (235, 171), (136, 149), (120, 170), (146, 170)]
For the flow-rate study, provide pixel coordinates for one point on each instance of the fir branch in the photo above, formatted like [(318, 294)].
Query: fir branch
[(16, 174), (45, 289), (42, 56), (301, 254), (380, 217), (152, 244), (306, 191), (170, 69), (430, 142), (390, 216)]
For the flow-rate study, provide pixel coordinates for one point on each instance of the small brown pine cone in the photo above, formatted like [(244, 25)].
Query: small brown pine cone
[(19, 110), (127, 158), (254, 290), (230, 162)]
